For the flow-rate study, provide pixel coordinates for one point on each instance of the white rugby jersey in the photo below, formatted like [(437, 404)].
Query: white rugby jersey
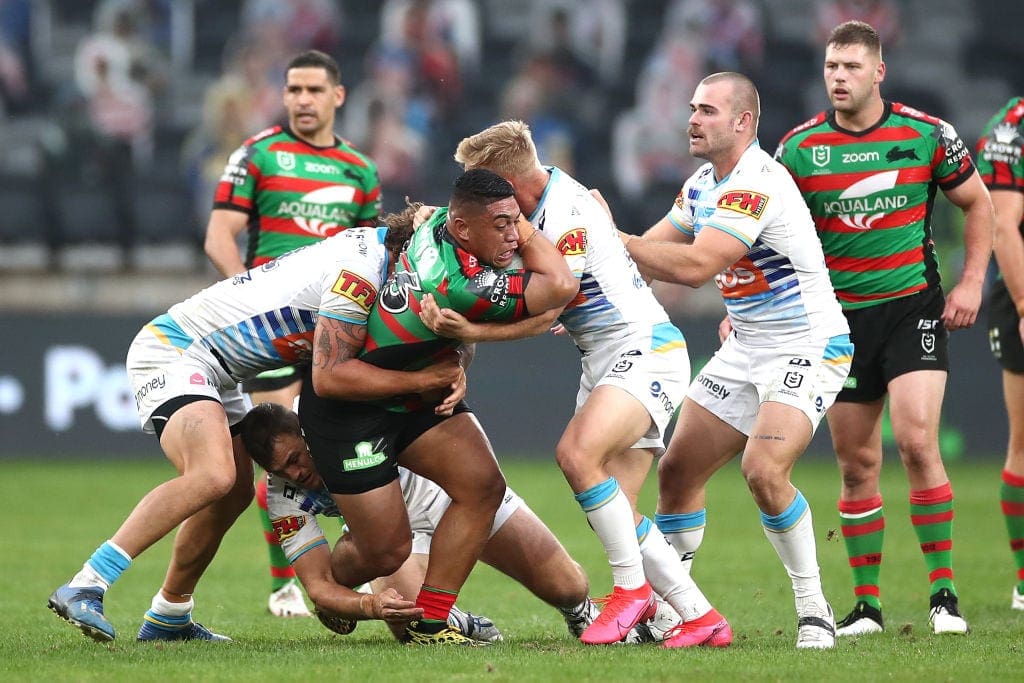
[(781, 286), (293, 509), (614, 302), (264, 318)]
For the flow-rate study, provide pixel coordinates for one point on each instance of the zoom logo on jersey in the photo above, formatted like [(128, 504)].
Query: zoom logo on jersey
[(713, 387), (858, 209), (858, 157)]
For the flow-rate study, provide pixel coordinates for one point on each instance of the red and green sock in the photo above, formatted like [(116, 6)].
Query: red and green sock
[(281, 571), (1011, 495), (931, 513), (863, 526), (436, 604)]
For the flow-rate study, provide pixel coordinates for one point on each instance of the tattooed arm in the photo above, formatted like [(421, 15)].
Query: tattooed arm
[(338, 374)]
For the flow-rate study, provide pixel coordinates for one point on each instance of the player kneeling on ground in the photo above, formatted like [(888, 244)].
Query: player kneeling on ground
[(520, 545)]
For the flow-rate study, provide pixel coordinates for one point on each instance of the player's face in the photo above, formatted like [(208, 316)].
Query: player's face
[(712, 124), (311, 99), (493, 235), (852, 75), (291, 460)]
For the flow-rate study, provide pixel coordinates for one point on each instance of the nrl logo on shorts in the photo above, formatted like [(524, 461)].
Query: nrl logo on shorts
[(286, 160), (928, 342), (821, 155), (793, 379)]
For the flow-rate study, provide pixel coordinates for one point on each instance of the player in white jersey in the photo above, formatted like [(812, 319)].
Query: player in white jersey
[(185, 367), (635, 370), (520, 544), (741, 220)]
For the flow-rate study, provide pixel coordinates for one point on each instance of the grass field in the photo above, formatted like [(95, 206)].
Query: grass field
[(57, 513)]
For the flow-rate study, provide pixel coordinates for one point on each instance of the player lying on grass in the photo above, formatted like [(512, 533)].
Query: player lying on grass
[(520, 545)]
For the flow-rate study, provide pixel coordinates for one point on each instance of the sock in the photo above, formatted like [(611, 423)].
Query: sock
[(281, 571), (863, 524), (791, 533), (171, 616), (611, 517), (1011, 495), (436, 603), (685, 531), (667, 577), (104, 567), (931, 513), (576, 611)]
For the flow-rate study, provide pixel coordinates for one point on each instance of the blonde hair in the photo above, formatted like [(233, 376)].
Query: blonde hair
[(505, 148)]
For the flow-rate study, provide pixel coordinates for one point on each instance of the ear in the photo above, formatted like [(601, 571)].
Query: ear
[(460, 228), (743, 122), (880, 72), (339, 95)]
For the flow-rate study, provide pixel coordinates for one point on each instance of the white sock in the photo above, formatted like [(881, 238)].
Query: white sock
[(796, 548), (612, 521), (170, 609), (88, 578), (667, 576)]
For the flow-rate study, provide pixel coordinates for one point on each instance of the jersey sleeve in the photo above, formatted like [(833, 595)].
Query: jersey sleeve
[(741, 213), (349, 290), (236, 189), (681, 215), (296, 530), (1001, 156), (369, 212), (952, 162)]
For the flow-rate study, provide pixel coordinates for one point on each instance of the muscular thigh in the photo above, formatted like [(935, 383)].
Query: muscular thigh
[(1003, 330), (454, 452)]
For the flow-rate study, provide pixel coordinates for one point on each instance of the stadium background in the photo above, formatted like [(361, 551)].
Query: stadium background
[(105, 171)]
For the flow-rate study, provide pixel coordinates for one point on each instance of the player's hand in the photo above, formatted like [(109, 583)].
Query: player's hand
[(596, 194), (446, 407), (445, 322), (558, 329), (962, 304), (422, 215), (391, 607), (724, 330)]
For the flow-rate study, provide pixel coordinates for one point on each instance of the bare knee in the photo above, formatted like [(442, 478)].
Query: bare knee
[(387, 558)]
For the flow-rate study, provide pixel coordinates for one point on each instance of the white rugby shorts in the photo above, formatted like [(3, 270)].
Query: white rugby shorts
[(805, 374), (159, 371), (658, 379)]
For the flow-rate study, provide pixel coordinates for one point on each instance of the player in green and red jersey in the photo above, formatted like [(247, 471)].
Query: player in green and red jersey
[(1000, 155), (290, 186), (869, 170), (463, 256)]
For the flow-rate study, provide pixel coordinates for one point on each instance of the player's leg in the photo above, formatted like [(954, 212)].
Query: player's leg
[(856, 430), (1012, 489), (280, 387), (915, 406), (197, 441), (407, 581), (608, 423), (456, 454), (378, 541), (777, 440), (195, 544)]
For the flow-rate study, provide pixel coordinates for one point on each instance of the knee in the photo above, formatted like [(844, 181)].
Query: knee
[(573, 589), (916, 447), (386, 559), (762, 475)]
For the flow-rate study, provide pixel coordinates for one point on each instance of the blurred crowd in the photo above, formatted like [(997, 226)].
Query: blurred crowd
[(135, 120)]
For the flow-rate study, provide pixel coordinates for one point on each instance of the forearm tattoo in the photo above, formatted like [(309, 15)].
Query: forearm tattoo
[(337, 341)]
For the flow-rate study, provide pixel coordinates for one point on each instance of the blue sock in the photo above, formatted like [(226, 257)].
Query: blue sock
[(599, 495), (109, 562), (686, 521), (788, 517)]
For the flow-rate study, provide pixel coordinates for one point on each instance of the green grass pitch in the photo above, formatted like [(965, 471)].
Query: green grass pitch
[(57, 512)]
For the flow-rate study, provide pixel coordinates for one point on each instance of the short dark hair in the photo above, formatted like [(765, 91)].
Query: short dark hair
[(856, 33), (317, 60), (262, 425), (479, 187)]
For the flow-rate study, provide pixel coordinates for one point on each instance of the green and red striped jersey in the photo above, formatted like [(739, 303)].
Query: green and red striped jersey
[(1000, 151), (871, 195), (432, 262), (296, 193)]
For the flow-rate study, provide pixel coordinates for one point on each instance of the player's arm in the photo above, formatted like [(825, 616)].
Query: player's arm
[(964, 300), (690, 264), (221, 243), (313, 568), (551, 284), (338, 374), (1009, 248), (448, 323)]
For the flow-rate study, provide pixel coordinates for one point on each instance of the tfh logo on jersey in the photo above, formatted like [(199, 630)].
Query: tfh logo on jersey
[(286, 527), (745, 202), (356, 289), (573, 243)]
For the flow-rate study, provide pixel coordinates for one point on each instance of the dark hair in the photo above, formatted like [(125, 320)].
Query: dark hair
[(856, 33), (400, 227), (316, 59), (262, 425), (479, 187)]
